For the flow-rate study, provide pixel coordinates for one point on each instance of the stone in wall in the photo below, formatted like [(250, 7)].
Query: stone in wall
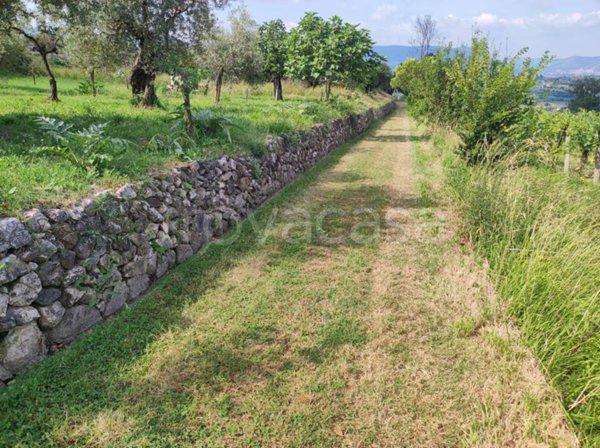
[(64, 270)]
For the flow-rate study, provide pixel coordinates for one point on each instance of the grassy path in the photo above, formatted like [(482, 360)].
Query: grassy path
[(345, 313)]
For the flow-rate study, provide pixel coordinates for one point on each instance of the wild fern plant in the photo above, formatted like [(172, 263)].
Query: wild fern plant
[(89, 149)]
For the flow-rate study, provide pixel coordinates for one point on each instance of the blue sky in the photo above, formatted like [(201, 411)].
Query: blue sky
[(565, 28)]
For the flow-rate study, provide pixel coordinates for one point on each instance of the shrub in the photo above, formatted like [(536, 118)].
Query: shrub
[(89, 149), (207, 122), (475, 92)]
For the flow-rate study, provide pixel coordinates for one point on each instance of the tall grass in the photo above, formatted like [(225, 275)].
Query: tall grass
[(540, 233)]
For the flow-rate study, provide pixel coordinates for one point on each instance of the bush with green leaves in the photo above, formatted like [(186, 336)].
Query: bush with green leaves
[(544, 135), (89, 149), (86, 87), (480, 95), (207, 123)]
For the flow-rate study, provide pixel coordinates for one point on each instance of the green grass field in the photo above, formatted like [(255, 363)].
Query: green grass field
[(28, 179)]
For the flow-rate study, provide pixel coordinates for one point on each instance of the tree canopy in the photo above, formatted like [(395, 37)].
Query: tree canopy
[(234, 54), (327, 51), (155, 28), (587, 94), (273, 45)]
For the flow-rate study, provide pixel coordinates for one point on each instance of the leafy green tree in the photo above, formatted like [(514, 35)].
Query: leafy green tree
[(321, 51), (87, 48), (273, 45), (14, 55), (481, 96), (377, 77), (40, 26), (155, 28), (185, 72), (587, 94), (234, 54)]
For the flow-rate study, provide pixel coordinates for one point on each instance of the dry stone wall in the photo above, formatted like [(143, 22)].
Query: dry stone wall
[(64, 270)]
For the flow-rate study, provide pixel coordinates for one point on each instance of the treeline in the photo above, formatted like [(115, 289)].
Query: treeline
[(488, 101), (182, 38)]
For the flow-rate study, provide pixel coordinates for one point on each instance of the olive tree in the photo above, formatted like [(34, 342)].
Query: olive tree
[(153, 27), (87, 47), (40, 26), (234, 54), (273, 46)]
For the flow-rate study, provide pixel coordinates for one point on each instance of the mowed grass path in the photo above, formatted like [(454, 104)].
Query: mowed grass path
[(344, 313)]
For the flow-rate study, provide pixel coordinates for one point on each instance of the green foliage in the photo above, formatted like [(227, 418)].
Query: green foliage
[(88, 149), (273, 45), (207, 122), (85, 87), (379, 77), (90, 49), (543, 135), (477, 93), (235, 52), (539, 232), (587, 94), (332, 50), (176, 143), (584, 130), (14, 56)]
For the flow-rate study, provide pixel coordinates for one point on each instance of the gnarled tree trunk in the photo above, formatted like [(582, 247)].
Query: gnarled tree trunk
[(142, 82), (219, 85), (53, 86)]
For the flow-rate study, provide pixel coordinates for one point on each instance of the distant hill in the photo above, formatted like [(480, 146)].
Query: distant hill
[(396, 54), (573, 66)]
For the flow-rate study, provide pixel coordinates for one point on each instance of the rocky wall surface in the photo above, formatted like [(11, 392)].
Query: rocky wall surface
[(64, 270)]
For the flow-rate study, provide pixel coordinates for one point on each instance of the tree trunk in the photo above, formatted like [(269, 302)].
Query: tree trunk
[(33, 72), (93, 81), (189, 120), (219, 85), (150, 98), (328, 90), (597, 166), (53, 86), (585, 156), (278, 89), (142, 82), (567, 164), (205, 88)]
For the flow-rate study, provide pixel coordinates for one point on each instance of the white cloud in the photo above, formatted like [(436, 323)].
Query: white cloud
[(576, 18), (290, 25), (384, 11)]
